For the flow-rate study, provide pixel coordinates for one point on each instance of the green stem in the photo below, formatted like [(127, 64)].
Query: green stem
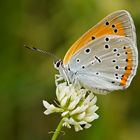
[(58, 130)]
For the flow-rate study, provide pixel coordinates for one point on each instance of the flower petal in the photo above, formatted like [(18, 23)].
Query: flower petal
[(46, 104), (79, 109), (92, 109), (93, 101), (91, 118), (88, 98), (73, 104), (64, 113), (81, 116), (77, 106), (78, 128), (66, 124), (88, 125), (64, 101), (60, 91), (51, 108)]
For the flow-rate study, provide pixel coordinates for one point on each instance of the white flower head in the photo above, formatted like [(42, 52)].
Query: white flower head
[(77, 107)]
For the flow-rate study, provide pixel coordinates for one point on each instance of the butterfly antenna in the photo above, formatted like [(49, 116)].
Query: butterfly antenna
[(41, 51)]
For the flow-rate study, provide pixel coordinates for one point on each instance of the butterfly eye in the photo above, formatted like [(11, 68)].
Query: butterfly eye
[(57, 64)]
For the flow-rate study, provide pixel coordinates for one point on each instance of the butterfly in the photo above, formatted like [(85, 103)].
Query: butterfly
[(105, 58)]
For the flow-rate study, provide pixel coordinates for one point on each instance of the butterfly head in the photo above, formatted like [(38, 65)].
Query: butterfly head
[(58, 63)]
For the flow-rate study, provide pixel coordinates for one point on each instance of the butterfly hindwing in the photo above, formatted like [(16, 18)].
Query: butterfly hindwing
[(108, 63), (118, 23)]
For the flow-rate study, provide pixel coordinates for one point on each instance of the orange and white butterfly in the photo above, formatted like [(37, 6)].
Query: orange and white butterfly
[(105, 58)]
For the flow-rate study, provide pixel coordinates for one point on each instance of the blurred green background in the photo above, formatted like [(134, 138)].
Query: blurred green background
[(26, 78)]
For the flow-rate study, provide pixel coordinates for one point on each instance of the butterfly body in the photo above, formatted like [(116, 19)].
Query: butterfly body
[(105, 58)]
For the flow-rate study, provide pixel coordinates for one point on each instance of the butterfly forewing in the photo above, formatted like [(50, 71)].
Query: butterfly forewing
[(118, 23)]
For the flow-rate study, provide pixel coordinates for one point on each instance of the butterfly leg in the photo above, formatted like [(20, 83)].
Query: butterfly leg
[(58, 78), (66, 77)]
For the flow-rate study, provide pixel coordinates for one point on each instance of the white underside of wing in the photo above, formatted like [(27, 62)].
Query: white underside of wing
[(100, 73)]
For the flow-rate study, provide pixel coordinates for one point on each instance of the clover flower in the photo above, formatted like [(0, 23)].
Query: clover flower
[(77, 107)]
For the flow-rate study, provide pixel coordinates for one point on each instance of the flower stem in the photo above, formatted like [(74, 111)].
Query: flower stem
[(58, 130)]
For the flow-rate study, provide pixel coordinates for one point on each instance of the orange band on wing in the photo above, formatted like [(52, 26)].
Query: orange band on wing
[(128, 69), (98, 31)]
